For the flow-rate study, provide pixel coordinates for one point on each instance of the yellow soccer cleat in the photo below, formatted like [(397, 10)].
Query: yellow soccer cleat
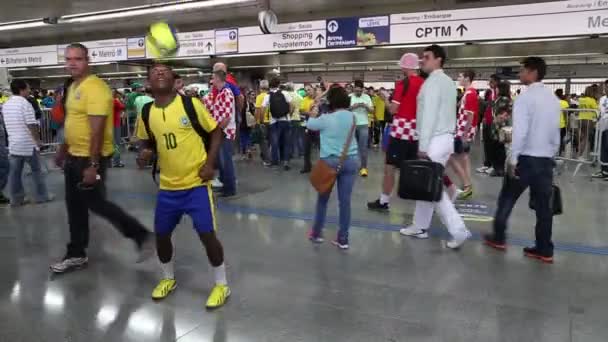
[(363, 172), (163, 288), (218, 296)]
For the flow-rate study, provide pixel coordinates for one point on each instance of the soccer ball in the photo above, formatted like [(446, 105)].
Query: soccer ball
[(161, 40)]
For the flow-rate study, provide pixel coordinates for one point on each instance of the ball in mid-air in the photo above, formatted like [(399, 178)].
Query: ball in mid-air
[(161, 40)]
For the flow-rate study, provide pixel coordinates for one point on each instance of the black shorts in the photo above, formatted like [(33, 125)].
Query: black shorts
[(461, 147), (401, 150)]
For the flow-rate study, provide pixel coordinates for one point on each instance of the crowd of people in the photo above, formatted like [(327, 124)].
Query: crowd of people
[(193, 138)]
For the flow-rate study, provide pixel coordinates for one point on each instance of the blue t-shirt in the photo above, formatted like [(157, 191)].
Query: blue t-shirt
[(235, 89), (334, 128)]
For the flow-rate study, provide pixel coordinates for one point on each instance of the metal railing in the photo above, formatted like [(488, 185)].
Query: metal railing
[(580, 141)]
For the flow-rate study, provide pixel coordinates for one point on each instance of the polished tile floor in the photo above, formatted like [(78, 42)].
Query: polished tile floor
[(385, 288)]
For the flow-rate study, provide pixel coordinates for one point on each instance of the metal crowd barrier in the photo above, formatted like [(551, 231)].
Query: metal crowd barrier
[(580, 142)]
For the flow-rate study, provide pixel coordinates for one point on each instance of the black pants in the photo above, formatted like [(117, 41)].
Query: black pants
[(310, 138), (498, 155), (536, 173), (604, 151), (79, 202), (486, 132), (378, 131)]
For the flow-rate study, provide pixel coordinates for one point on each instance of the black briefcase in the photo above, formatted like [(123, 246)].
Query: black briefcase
[(557, 206), (421, 180)]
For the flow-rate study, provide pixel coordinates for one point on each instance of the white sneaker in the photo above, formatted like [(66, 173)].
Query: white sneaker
[(414, 232), (215, 183), (482, 169), (69, 264), (489, 170), (456, 243)]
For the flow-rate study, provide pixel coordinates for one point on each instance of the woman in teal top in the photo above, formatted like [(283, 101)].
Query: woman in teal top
[(334, 128)]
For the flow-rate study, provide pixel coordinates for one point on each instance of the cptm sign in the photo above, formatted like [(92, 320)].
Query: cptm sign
[(440, 31)]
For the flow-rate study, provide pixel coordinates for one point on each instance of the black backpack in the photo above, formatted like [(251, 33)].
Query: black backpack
[(279, 107), (192, 116)]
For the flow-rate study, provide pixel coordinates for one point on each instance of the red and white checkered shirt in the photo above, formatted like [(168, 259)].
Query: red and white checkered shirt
[(468, 104), (221, 105), (404, 129)]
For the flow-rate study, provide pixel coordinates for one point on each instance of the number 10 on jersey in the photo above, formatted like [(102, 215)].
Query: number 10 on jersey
[(170, 141)]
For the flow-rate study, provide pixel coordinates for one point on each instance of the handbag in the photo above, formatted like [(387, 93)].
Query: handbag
[(557, 205), (421, 180), (322, 175)]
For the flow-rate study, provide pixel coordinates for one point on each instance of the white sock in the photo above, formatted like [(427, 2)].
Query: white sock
[(220, 274), (384, 199), (167, 269)]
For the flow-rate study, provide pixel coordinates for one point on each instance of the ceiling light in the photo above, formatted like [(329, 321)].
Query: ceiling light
[(183, 58), (406, 46), (329, 50), (529, 40), (17, 69), (51, 67), (100, 63), (250, 54), (366, 62), (148, 9), (21, 25)]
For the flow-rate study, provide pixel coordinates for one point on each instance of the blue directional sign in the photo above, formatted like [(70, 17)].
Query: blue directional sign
[(342, 32), (355, 31)]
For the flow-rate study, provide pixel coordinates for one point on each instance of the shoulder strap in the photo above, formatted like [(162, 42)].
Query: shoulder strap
[(193, 117), (145, 117), (347, 144)]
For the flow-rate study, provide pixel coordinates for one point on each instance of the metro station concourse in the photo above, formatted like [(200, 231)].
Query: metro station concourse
[(378, 285)]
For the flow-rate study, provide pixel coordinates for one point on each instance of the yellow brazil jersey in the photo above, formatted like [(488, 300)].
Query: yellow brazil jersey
[(259, 101), (91, 97), (586, 102), (306, 104), (562, 118), (181, 153), (379, 106)]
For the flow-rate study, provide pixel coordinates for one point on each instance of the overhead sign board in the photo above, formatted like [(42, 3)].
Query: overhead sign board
[(136, 48), (538, 20), (199, 43), (28, 56), (109, 50), (355, 31), (227, 41), (290, 36)]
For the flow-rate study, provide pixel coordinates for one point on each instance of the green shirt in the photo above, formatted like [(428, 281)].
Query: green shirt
[(361, 113)]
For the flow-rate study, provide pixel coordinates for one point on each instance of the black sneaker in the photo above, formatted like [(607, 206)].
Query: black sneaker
[(304, 171), (4, 200), (534, 253), (377, 206), (286, 167), (118, 165), (599, 174), (492, 241)]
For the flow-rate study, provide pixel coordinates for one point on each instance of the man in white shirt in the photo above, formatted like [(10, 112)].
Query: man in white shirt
[(280, 105), (23, 144), (436, 123), (361, 104), (4, 163), (536, 140)]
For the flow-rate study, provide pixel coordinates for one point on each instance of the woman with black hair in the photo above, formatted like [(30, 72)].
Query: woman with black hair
[(501, 110), (338, 150)]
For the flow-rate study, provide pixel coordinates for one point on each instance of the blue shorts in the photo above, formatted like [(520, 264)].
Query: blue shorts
[(196, 203)]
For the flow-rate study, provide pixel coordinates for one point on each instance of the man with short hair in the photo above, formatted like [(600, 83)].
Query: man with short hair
[(23, 144), (85, 156), (490, 96), (295, 123), (535, 143), (220, 102), (280, 104), (435, 123), (361, 104), (310, 137), (186, 158), (465, 133)]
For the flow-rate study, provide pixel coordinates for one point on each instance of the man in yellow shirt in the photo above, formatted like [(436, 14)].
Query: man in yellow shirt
[(310, 137), (262, 116), (85, 156), (186, 167), (379, 107)]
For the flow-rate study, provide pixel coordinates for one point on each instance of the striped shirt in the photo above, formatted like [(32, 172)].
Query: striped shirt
[(18, 114)]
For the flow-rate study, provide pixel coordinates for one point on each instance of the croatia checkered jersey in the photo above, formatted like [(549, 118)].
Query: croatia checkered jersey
[(404, 121), (469, 106)]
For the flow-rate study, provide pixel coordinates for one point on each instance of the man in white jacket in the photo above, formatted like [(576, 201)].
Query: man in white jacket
[(435, 123)]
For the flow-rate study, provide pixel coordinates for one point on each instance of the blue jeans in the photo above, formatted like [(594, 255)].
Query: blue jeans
[(4, 164), (362, 135), (225, 166), (536, 173), (245, 140), (345, 182), (279, 142), (297, 139), (16, 182)]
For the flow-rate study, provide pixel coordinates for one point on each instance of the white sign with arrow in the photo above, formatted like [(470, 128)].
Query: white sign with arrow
[(291, 36), (28, 56), (198, 43), (549, 19), (109, 50)]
